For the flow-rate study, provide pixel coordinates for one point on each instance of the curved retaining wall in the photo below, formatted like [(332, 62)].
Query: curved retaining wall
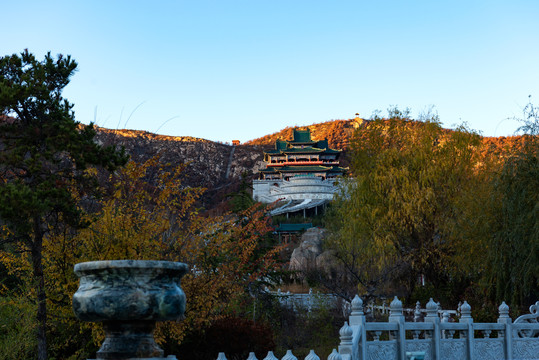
[(297, 188)]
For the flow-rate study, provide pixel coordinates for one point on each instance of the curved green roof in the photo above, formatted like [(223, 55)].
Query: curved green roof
[(300, 169), (303, 168), (293, 227), (304, 150), (273, 152)]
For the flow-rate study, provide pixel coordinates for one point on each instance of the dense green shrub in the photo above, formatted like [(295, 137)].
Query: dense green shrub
[(17, 328)]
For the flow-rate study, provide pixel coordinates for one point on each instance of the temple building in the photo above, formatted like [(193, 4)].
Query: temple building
[(300, 173)]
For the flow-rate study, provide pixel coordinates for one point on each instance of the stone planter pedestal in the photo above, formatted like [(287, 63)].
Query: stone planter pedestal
[(128, 297)]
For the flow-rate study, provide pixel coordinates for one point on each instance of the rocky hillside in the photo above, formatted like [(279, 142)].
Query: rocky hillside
[(219, 167), (215, 166)]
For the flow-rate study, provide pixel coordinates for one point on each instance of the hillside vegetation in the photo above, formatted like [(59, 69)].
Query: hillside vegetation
[(424, 202), (339, 133), (219, 167)]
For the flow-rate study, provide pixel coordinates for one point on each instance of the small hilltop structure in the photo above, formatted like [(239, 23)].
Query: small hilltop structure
[(300, 173)]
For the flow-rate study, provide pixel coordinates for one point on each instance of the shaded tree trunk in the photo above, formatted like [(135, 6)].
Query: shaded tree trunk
[(39, 280)]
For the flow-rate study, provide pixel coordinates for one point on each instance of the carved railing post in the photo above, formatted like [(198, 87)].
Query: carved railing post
[(466, 313), (466, 317), (432, 312), (289, 356), (504, 318), (417, 312), (345, 348), (270, 356), (334, 355), (432, 317), (312, 356), (357, 318), (445, 319), (395, 311), (506, 334), (396, 316)]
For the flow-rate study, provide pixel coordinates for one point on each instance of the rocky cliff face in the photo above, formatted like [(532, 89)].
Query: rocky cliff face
[(217, 167)]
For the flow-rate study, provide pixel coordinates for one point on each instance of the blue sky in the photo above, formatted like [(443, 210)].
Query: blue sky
[(224, 70)]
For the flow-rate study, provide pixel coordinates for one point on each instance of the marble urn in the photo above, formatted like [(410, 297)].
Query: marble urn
[(128, 297)]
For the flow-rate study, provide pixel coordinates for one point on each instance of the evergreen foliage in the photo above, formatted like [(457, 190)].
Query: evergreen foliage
[(242, 199), (45, 153)]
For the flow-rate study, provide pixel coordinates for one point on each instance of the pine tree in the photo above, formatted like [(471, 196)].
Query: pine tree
[(43, 160)]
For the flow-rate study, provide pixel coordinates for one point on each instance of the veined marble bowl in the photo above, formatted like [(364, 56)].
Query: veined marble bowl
[(126, 290)]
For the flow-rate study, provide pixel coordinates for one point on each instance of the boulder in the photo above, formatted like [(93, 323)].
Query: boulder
[(326, 260), (305, 256)]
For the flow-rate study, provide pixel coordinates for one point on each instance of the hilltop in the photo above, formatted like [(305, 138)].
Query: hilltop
[(338, 133), (218, 167)]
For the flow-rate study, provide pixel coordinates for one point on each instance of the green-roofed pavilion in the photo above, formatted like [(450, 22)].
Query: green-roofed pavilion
[(299, 156)]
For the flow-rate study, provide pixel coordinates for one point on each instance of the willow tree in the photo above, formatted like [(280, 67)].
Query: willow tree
[(395, 218), (513, 254), (43, 158)]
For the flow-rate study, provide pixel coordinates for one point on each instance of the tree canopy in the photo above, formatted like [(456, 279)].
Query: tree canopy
[(513, 253), (43, 159), (394, 219), (55, 211), (149, 214)]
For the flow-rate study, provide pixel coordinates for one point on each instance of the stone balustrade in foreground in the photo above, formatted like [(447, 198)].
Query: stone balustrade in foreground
[(130, 296), (431, 337)]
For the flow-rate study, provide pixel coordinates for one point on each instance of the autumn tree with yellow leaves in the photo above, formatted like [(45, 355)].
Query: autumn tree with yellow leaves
[(149, 214)]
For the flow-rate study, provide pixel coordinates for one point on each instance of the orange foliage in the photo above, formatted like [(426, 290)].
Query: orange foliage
[(339, 133), (145, 221)]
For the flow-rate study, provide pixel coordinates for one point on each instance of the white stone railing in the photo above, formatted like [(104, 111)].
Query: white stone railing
[(440, 338), (288, 356), (417, 313), (313, 300), (310, 301), (433, 338)]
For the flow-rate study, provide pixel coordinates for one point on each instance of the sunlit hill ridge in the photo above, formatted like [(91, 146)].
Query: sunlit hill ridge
[(218, 166)]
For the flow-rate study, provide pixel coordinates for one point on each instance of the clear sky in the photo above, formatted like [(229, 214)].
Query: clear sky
[(224, 70)]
